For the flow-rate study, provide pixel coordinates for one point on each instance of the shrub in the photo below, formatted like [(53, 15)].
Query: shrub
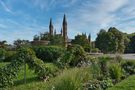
[(23, 56), (95, 50), (2, 54), (103, 65), (48, 53), (95, 69), (9, 56), (115, 72), (73, 56), (129, 67), (71, 79), (118, 58), (78, 55), (98, 85)]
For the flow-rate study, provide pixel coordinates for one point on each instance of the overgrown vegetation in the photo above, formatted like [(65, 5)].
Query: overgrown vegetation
[(80, 70), (48, 53)]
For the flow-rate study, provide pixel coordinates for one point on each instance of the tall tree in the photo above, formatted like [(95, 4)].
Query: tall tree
[(111, 41), (119, 38)]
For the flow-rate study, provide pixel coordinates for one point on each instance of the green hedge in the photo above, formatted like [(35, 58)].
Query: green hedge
[(48, 53)]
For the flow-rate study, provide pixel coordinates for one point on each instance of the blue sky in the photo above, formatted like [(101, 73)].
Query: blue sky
[(22, 19)]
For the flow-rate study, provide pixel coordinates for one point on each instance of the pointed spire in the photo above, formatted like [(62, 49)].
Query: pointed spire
[(51, 22), (51, 28), (64, 28), (64, 20), (89, 37)]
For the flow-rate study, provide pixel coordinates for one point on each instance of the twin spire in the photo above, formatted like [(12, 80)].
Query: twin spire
[(51, 28), (63, 30)]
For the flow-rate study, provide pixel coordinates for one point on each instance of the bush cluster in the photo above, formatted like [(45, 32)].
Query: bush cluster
[(48, 53), (73, 56), (129, 67), (23, 56), (98, 85)]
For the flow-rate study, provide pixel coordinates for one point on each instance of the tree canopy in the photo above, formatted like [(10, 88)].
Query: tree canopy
[(111, 41)]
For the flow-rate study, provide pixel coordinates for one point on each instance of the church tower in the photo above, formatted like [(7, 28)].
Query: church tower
[(65, 30), (51, 28)]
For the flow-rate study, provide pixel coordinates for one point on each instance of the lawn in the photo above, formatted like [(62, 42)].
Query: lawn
[(127, 84)]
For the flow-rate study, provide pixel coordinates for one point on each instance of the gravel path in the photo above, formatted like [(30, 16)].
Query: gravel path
[(125, 56)]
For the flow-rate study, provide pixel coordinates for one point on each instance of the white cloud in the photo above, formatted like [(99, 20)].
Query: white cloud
[(5, 7)]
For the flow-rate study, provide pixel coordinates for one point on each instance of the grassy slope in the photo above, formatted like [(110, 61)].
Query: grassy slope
[(127, 84)]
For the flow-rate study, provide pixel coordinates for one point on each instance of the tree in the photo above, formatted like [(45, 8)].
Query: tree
[(101, 41), (36, 38), (119, 38), (132, 44), (19, 43), (3, 44), (42, 36), (111, 41), (82, 40), (57, 40)]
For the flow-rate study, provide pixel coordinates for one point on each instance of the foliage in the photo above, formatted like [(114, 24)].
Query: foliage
[(118, 58), (9, 56), (71, 79), (129, 67), (48, 53), (115, 72), (99, 85), (23, 56), (103, 65), (95, 50), (83, 41), (127, 84), (21, 43), (111, 41), (42, 36), (2, 54), (73, 56), (56, 40), (3, 44), (131, 48), (94, 68)]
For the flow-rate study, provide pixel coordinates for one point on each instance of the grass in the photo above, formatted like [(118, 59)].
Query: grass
[(70, 79), (31, 77), (127, 84)]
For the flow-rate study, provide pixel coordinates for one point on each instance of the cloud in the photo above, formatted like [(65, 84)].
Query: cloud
[(83, 16), (5, 7)]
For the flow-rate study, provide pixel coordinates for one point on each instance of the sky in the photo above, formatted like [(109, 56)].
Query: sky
[(22, 19)]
